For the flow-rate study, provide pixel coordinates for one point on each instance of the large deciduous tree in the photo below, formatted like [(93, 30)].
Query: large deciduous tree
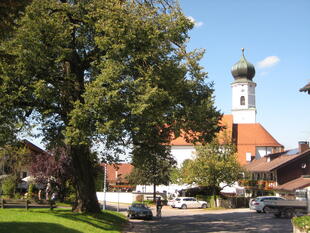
[(106, 70)]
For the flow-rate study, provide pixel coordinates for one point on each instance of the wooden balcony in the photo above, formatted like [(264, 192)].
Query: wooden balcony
[(258, 184)]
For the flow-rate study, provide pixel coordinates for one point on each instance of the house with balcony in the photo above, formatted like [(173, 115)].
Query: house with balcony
[(116, 177), (282, 172)]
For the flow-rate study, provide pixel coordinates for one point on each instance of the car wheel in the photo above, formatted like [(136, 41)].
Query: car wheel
[(204, 206), (183, 206), (289, 213), (258, 211)]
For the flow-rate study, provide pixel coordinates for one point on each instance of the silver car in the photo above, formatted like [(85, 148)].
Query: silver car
[(258, 203), (138, 210)]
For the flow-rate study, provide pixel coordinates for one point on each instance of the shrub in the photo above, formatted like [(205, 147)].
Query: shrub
[(30, 190), (207, 198), (303, 223), (8, 186)]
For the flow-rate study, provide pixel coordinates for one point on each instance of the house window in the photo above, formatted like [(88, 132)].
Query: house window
[(242, 100)]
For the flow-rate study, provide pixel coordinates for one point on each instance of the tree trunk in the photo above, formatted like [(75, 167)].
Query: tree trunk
[(214, 197), (84, 180), (154, 193)]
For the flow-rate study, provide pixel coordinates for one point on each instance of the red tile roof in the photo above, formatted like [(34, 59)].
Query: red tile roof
[(262, 164), (226, 121), (254, 134), (292, 185), (121, 170)]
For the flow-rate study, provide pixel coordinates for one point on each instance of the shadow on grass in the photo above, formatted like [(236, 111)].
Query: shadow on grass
[(104, 220), (37, 227)]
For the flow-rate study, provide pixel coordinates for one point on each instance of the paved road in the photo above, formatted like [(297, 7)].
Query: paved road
[(198, 220)]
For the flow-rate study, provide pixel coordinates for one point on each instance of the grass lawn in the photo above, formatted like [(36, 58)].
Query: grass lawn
[(59, 221)]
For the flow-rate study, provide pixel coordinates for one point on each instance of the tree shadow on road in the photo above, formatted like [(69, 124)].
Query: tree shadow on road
[(217, 222)]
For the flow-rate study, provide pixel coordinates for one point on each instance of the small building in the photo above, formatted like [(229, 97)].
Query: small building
[(283, 172), (117, 176)]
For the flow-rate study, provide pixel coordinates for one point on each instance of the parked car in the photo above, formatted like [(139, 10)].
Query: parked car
[(138, 210), (258, 203), (187, 202), (171, 202)]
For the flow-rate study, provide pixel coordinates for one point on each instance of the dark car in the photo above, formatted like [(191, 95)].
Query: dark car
[(137, 210)]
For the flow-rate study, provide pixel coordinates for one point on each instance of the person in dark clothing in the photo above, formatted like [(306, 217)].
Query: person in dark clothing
[(159, 206)]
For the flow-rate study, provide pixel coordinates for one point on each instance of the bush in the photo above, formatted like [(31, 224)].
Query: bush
[(303, 223), (147, 202), (18, 196), (207, 198), (71, 198), (8, 186), (30, 190)]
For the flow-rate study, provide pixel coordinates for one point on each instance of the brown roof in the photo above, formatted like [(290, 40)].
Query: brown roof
[(253, 134), (121, 170), (32, 147), (275, 161), (227, 122), (292, 185)]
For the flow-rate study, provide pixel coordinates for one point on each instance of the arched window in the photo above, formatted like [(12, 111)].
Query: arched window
[(242, 100)]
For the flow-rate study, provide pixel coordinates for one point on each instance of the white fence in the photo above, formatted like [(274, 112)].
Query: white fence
[(122, 197)]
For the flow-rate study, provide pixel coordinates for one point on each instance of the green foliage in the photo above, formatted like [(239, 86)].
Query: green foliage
[(99, 180), (8, 186), (15, 157), (153, 170), (215, 163), (31, 190), (303, 223), (115, 72)]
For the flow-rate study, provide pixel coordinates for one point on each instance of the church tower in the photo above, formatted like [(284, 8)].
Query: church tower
[(243, 92)]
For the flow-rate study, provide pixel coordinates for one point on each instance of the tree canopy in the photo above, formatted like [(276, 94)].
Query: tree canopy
[(215, 164), (108, 71)]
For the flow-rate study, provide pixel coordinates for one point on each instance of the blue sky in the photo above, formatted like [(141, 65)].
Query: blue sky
[(276, 38)]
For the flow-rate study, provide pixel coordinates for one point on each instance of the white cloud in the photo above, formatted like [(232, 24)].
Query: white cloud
[(197, 24), (268, 62)]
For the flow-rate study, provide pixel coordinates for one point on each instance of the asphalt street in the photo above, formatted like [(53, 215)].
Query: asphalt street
[(204, 220)]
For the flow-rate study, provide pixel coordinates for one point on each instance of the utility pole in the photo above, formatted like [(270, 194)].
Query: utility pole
[(308, 200), (104, 187)]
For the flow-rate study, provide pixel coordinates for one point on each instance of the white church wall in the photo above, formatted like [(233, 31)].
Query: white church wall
[(181, 153), (244, 116), (262, 151)]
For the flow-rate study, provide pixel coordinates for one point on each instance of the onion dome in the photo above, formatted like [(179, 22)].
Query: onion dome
[(243, 69)]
